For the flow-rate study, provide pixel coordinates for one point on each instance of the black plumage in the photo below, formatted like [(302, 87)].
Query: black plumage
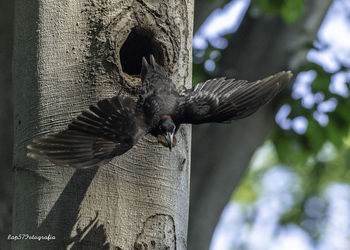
[(114, 126)]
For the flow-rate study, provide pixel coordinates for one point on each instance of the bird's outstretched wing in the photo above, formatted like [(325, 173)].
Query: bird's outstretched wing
[(108, 129), (223, 100)]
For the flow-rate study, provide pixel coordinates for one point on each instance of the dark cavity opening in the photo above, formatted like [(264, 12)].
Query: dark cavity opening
[(140, 43)]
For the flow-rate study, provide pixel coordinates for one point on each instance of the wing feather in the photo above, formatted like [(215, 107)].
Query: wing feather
[(107, 129), (223, 100)]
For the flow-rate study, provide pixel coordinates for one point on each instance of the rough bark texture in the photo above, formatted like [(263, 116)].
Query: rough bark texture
[(260, 47), (68, 55), (6, 138)]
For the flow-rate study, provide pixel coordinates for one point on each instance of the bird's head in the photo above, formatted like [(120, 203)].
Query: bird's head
[(167, 129), (148, 69)]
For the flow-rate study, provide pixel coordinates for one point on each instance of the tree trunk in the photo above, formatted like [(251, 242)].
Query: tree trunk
[(6, 119), (260, 47), (68, 55)]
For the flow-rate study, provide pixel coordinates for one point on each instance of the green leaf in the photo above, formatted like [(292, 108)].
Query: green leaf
[(295, 215), (343, 108), (337, 130), (316, 136), (290, 148), (245, 192), (321, 83), (271, 6), (292, 10)]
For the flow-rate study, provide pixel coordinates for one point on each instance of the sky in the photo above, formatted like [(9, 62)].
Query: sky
[(220, 22), (232, 231)]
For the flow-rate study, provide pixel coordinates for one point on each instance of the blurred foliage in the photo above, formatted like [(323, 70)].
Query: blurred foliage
[(248, 190), (320, 156), (201, 57), (289, 10), (294, 149)]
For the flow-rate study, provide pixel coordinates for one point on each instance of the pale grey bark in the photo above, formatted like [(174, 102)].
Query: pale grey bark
[(6, 131), (221, 153), (66, 57)]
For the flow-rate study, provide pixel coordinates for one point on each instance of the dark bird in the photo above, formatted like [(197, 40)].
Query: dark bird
[(114, 126)]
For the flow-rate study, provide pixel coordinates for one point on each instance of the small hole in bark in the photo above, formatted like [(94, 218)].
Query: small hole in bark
[(140, 43)]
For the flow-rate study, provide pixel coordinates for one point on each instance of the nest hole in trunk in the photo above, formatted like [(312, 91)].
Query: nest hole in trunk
[(139, 43)]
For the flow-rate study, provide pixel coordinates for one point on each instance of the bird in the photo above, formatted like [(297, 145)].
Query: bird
[(114, 125)]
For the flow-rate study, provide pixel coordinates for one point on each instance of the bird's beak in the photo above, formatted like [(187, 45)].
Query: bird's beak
[(169, 138)]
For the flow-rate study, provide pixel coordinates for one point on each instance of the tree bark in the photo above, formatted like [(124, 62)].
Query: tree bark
[(6, 119), (67, 55), (260, 47)]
